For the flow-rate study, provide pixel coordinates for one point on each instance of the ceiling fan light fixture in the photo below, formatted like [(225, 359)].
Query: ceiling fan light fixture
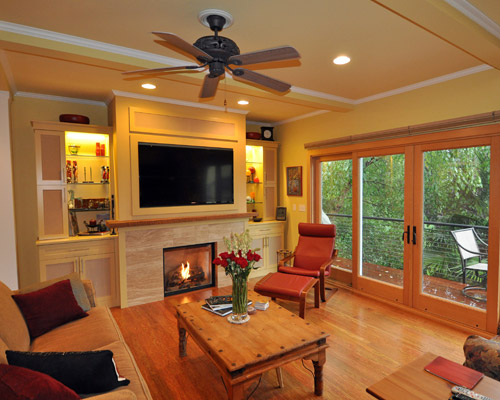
[(203, 17), (149, 86), (341, 60), (243, 102)]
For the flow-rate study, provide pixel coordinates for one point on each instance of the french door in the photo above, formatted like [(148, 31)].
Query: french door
[(407, 201)]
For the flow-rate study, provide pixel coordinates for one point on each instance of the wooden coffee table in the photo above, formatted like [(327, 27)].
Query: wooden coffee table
[(413, 382), (242, 353)]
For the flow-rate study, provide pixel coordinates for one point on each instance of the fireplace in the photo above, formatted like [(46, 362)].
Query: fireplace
[(187, 268)]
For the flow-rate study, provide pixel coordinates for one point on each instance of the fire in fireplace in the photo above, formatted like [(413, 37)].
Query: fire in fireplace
[(188, 268)]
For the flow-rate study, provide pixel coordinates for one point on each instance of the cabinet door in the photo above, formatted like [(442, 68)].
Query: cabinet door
[(100, 269), (270, 165), (258, 243), (270, 184), (50, 157), (50, 269), (274, 243), (52, 212)]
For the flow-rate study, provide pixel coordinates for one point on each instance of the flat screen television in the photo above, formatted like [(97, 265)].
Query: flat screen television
[(174, 175)]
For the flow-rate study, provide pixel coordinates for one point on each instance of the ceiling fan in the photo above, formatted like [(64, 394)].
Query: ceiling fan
[(219, 54)]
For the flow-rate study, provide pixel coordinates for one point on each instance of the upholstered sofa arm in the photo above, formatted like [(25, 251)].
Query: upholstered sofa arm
[(115, 395), (90, 291), (483, 355)]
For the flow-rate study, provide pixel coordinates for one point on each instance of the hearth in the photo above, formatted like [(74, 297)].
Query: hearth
[(188, 268)]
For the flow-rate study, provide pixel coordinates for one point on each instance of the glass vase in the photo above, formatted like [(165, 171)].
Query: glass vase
[(240, 301)]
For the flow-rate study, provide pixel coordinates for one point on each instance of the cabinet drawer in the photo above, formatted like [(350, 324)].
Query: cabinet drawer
[(265, 229), (76, 249)]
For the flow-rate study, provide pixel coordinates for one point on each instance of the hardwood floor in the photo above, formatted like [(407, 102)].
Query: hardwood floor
[(368, 341)]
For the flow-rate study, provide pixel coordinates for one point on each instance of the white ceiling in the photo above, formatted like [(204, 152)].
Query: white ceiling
[(78, 49)]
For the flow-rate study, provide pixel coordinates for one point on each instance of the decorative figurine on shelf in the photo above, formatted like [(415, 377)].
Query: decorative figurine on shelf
[(103, 174), (249, 176), (69, 178), (75, 172)]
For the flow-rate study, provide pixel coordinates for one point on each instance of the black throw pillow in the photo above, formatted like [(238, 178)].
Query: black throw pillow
[(84, 372)]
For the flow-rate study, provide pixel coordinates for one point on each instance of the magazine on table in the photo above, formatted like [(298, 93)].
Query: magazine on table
[(221, 311)]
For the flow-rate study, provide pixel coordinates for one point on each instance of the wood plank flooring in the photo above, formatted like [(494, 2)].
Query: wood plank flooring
[(368, 341)]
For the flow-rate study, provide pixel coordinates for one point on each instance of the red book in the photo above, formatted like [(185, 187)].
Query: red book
[(454, 372)]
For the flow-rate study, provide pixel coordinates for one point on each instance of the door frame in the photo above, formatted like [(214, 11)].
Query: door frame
[(491, 132)]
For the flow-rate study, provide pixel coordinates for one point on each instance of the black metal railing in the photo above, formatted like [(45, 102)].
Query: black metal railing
[(382, 243)]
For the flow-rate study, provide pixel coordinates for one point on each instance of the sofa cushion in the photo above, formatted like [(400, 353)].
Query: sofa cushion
[(17, 383), (483, 355), (89, 333), (84, 372), (13, 329), (76, 285), (49, 307)]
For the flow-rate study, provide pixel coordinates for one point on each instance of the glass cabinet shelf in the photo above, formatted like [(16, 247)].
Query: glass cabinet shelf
[(69, 155), (88, 183)]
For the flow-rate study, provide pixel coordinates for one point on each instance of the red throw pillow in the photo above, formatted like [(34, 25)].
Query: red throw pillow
[(47, 308), (18, 383)]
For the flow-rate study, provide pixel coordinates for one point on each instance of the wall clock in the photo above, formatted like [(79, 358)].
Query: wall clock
[(267, 133)]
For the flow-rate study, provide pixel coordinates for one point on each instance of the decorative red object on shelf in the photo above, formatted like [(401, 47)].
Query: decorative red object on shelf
[(253, 135), (97, 149), (74, 118), (103, 149)]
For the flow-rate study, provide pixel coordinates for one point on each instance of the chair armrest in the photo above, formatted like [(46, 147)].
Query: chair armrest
[(90, 291), (324, 266), (282, 262)]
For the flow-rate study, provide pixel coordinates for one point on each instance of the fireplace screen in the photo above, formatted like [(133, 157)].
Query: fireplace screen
[(188, 268)]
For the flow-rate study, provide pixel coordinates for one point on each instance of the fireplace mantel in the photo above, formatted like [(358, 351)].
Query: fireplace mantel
[(176, 220)]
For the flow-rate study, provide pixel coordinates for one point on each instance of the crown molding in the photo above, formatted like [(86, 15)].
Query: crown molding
[(60, 98), (176, 102), (476, 15), (321, 95), (429, 82), (304, 116), (88, 43)]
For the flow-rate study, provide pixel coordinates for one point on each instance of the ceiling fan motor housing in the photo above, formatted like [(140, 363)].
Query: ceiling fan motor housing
[(218, 47)]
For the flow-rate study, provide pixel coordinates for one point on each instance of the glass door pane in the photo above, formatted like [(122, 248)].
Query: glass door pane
[(456, 215), (382, 218), (336, 204)]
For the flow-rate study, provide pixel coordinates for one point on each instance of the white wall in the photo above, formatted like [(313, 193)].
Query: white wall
[(8, 263)]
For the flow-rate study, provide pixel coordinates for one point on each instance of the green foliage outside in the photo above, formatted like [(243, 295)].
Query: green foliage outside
[(456, 191)]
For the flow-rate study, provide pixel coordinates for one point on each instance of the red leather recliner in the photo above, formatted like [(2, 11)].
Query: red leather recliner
[(314, 253)]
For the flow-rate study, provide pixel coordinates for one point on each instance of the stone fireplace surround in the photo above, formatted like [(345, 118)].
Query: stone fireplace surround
[(144, 253)]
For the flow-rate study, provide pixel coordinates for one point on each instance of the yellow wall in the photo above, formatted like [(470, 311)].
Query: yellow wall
[(473, 94), (23, 111)]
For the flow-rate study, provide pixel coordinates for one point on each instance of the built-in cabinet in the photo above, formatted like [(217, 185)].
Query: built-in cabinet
[(268, 237), (73, 170), (261, 178), (92, 258)]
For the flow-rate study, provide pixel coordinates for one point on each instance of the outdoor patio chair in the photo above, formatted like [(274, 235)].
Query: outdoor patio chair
[(314, 253), (468, 243)]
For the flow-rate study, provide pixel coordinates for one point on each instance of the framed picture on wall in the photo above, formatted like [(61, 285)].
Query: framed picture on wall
[(294, 181), (280, 213)]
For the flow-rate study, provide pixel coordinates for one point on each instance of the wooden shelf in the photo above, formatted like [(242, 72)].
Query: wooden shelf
[(176, 220)]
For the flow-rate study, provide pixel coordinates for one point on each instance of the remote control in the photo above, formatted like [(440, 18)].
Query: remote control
[(469, 393)]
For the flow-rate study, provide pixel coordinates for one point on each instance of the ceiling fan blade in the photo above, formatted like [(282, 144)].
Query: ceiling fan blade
[(263, 80), (209, 86), (162, 69), (184, 46), (276, 54)]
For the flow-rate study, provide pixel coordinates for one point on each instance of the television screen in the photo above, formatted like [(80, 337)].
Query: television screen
[(173, 175)]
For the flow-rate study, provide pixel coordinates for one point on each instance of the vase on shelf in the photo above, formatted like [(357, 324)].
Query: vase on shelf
[(240, 300)]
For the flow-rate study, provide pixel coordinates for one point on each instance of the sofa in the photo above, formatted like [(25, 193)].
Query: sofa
[(94, 332)]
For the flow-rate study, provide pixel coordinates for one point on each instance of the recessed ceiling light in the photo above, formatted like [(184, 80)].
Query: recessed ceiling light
[(148, 86), (341, 60), (242, 102)]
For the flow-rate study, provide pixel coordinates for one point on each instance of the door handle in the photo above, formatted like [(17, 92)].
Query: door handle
[(407, 233), (414, 240)]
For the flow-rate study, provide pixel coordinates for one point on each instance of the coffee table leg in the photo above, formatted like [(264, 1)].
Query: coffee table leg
[(182, 342), (318, 373)]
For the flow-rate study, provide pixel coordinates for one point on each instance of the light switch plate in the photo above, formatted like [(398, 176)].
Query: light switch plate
[(302, 207)]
